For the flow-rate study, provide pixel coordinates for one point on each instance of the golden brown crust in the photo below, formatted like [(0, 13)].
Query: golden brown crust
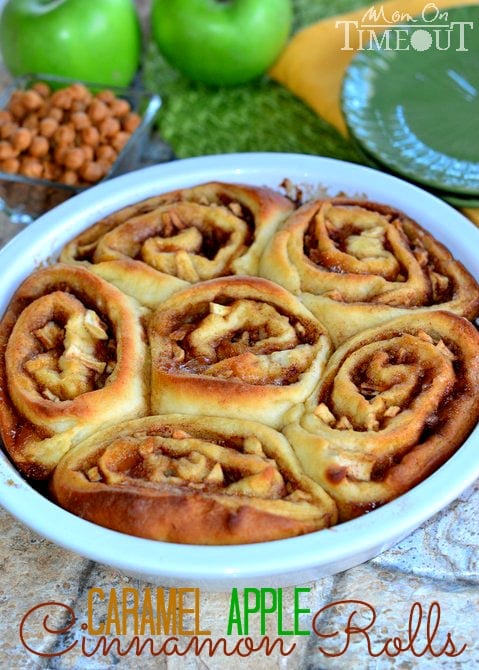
[(165, 243), (393, 404), (239, 346), (192, 480), (73, 359), (357, 264), (236, 354)]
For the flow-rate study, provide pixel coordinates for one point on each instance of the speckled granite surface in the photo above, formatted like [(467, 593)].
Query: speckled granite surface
[(436, 564)]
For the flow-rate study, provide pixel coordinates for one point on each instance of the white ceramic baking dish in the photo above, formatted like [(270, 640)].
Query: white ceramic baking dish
[(281, 563)]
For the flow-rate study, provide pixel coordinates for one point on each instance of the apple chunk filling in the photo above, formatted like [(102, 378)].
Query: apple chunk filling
[(73, 359), (246, 340), (187, 240)]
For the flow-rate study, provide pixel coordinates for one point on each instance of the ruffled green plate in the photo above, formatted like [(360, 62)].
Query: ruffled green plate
[(454, 199), (412, 101)]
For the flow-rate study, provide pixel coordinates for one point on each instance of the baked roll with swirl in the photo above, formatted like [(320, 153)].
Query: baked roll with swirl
[(192, 480), (73, 360), (357, 264), (241, 347), (393, 404), (164, 244)]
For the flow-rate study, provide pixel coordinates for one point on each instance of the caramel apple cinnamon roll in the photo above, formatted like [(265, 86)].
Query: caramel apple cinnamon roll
[(164, 244), (393, 404), (357, 264), (73, 360), (240, 347), (192, 480)]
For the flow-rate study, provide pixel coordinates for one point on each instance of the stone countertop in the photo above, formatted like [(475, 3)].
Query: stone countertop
[(438, 563)]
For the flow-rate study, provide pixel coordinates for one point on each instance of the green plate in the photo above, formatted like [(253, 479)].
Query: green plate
[(454, 199), (458, 200), (411, 100)]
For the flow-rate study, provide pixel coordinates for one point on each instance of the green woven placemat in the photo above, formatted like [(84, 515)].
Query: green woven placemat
[(197, 120)]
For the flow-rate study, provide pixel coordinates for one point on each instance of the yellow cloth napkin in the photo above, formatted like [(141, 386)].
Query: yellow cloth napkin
[(314, 62), (472, 214)]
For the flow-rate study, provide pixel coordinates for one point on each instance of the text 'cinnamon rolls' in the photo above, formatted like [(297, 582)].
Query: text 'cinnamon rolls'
[(393, 404), (241, 347), (358, 264), (73, 359), (192, 480), (164, 244)]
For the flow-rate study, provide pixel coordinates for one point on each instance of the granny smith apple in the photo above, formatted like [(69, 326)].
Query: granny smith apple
[(222, 42), (93, 40)]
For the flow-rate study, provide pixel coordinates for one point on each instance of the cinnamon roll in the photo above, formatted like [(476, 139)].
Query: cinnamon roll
[(393, 404), (161, 245), (192, 480), (357, 264), (241, 347), (73, 360)]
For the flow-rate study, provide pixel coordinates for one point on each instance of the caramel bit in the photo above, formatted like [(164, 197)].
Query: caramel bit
[(445, 351), (392, 411), (93, 474), (323, 412), (43, 133)]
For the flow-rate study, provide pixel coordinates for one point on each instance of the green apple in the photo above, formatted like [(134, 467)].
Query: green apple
[(92, 40), (223, 42)]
